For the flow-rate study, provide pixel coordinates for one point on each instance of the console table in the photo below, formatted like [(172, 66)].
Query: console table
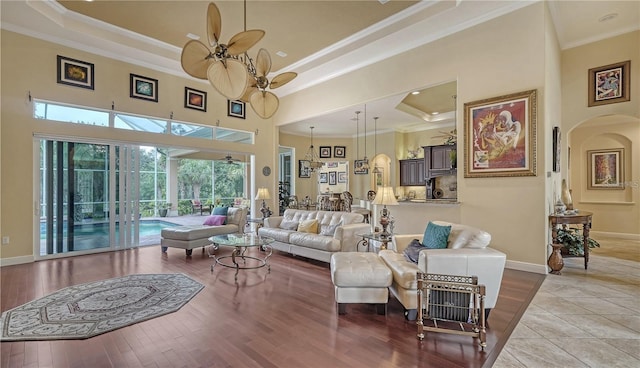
[(581, 217)]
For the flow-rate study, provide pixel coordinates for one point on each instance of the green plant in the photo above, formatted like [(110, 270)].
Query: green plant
[(163, 205), (573, 240)]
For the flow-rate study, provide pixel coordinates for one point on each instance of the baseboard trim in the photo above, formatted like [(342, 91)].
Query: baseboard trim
[(527, 267), (595, 234), (16, 261)]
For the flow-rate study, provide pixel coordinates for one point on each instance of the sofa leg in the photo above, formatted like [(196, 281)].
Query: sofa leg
[(164, 249), (381, 308), (189, 251), (342, 308), (410, 314)]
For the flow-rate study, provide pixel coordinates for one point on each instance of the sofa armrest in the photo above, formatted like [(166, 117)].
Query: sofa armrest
[(348, 235), (486, 263), (401, 241), (273, 221)]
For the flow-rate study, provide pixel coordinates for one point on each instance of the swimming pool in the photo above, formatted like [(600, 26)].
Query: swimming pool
[(147, 228)]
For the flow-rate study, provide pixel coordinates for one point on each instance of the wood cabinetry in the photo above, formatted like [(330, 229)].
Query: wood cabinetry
[(412, 172), (437, 160)]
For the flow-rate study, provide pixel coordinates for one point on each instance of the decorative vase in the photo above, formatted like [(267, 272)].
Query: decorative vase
[(560, 207), (566, 195), (555, 261)]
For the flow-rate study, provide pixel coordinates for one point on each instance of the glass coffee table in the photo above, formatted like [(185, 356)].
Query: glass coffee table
[(241, 243)]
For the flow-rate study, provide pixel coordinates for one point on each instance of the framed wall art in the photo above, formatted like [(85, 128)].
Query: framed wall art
[(500, 136), (333, 178), (556, 149), (609, 84), (359, 168), (304, 169), (339, 151), (236, 109), (143, 88), (194, 99), (75, 72), (342, 177), (322, 178), (606, 169), (325, 151)]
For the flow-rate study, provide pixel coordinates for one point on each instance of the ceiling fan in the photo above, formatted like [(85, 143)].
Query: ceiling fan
[(230, 160), (263, 102), (220, 64), (450, 137)]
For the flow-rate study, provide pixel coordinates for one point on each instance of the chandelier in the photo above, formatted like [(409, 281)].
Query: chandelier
[(233, 75), (312, 156)]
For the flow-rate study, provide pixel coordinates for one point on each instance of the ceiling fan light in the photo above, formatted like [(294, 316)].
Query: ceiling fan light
[(230, 80)]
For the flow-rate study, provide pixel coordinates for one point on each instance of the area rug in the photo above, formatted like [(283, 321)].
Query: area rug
[(87, 310)]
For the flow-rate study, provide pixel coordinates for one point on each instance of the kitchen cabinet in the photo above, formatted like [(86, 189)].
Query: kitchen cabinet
[(437, 160), (412, 172)]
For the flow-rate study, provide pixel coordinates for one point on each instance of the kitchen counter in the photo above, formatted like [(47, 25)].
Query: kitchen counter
[(430, 201)]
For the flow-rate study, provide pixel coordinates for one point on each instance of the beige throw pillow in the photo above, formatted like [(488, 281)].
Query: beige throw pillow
[(308, 226)]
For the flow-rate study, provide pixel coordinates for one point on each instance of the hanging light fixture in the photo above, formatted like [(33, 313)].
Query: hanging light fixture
[(312, 156), (365, 160), (357, 135), (376, 169)]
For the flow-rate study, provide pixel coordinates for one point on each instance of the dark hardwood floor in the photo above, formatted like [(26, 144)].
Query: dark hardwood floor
[(285, 318)]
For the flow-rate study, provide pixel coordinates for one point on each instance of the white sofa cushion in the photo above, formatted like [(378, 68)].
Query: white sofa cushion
[(315, 241)]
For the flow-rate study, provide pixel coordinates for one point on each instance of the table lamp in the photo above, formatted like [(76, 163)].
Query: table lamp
[(386, 198), (263, 193)]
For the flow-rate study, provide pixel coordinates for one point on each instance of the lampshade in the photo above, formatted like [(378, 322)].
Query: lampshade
[(385, 196), (263, 193)]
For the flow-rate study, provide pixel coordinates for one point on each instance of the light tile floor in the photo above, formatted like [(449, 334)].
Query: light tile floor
[(583, 318)]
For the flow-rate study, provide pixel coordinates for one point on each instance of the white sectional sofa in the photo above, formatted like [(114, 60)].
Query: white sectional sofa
[(337, 231), (467, 254), (189, 237)]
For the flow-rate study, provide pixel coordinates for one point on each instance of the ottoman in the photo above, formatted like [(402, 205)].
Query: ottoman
[(360, 278)]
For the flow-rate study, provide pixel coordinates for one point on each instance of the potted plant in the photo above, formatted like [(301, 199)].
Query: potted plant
[(163, 208), (453, 157), (573, 240)]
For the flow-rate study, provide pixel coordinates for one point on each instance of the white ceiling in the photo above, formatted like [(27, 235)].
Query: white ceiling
[(318, 36)]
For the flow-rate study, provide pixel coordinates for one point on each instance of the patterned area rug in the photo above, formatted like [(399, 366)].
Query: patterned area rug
[(87, 310)]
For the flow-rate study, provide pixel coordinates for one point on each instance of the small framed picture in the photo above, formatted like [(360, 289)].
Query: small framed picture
[(609, 84), (339, 151), (322, 178), (342, 177), (194, 99), (325, 151), (75, 72), (143, 88), (556, 149), (606, 169), (236, 109), (332, 178), (304, 169), (359, 168)]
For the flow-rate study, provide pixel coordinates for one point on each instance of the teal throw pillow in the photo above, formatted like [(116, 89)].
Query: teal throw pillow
[(436, 236), (222, 211)]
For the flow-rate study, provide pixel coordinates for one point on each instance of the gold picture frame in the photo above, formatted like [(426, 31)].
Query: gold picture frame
[(500, 136), (606, 169)]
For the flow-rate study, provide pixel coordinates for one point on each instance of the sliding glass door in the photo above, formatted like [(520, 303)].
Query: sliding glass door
[(89, 197)]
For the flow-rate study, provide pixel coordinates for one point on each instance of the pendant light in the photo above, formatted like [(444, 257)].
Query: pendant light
[(365, 163), (376, 170)]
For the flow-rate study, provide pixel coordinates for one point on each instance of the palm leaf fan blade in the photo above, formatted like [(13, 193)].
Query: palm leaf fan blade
[(264, 103), (214, 24), (263, 63), (243, 41), (228, 78), (195, 59), (282, 79)]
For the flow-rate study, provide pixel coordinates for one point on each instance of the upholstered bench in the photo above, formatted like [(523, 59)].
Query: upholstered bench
[(360, 278)]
